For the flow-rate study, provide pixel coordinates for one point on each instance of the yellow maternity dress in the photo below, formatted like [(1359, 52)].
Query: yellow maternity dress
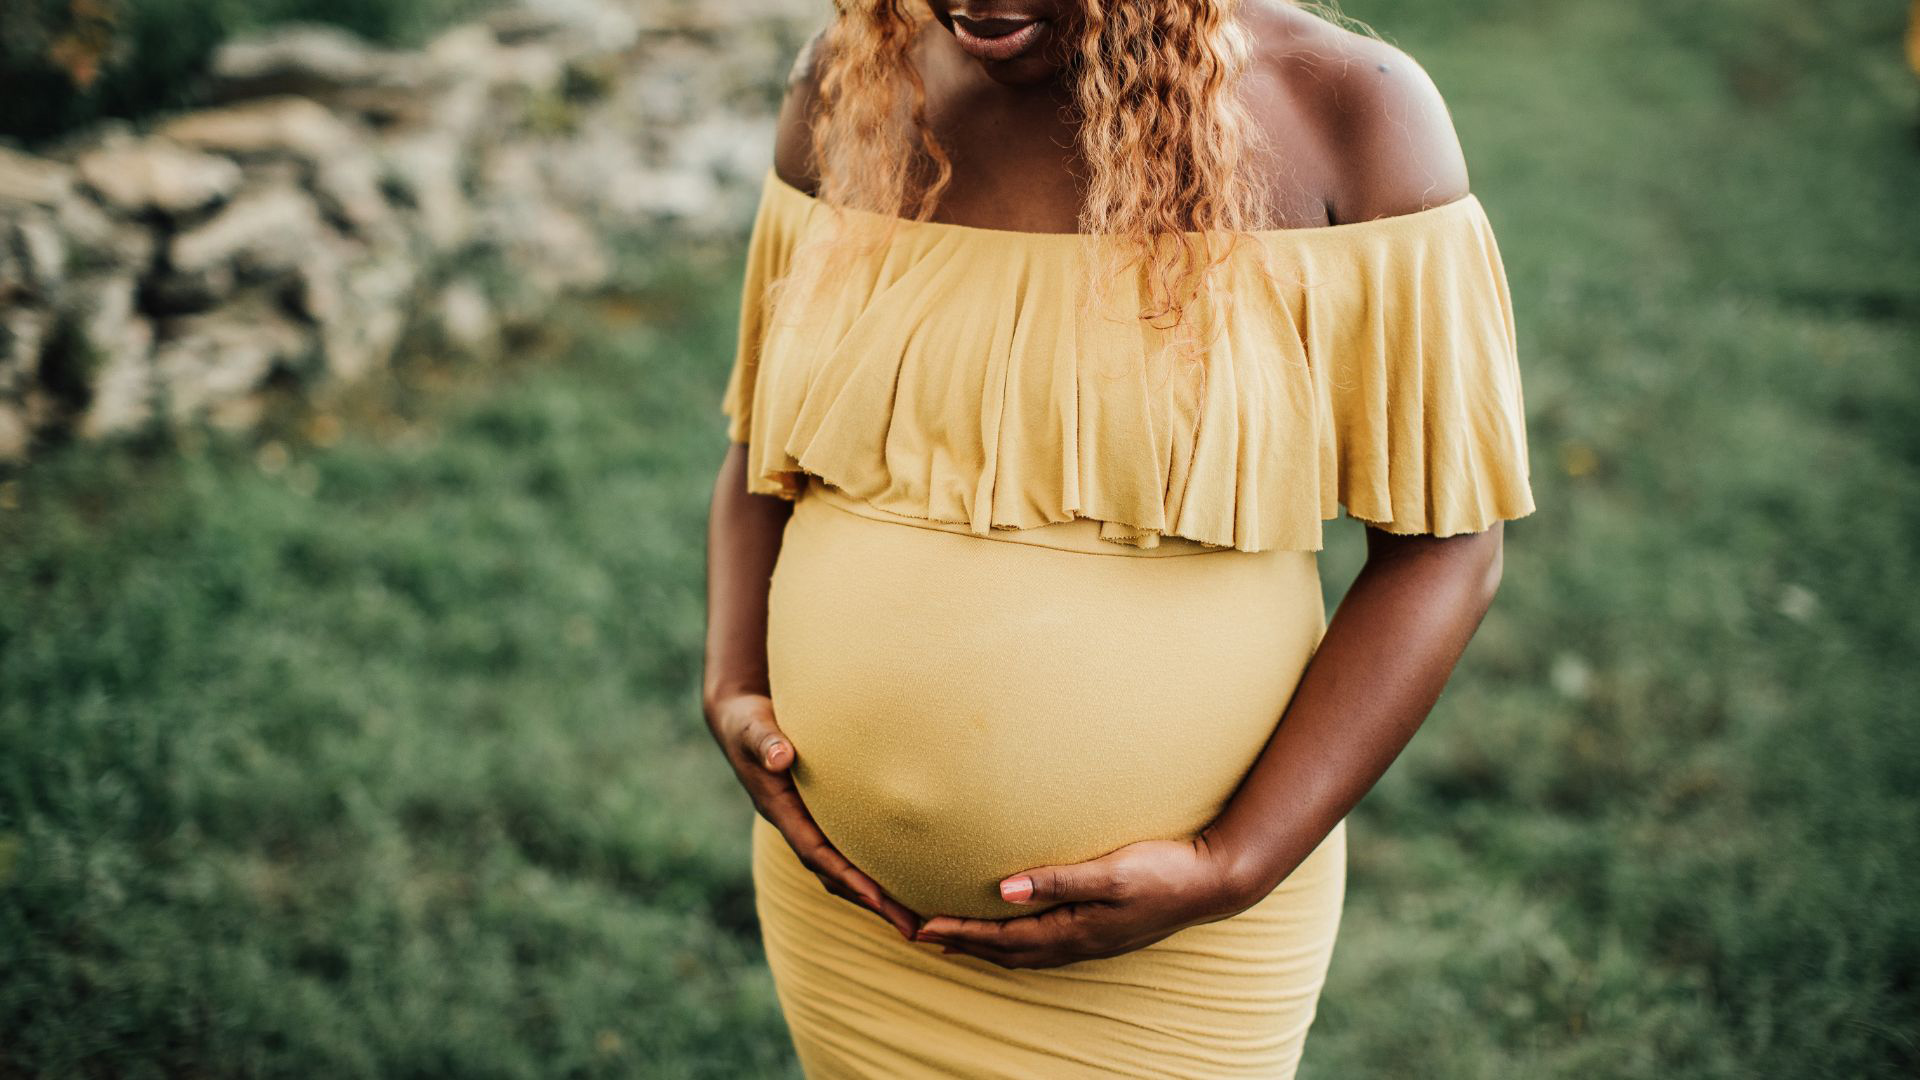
[(1048, 587)]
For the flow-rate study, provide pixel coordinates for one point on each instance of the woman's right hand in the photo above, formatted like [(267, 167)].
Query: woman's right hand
[(762, 756)]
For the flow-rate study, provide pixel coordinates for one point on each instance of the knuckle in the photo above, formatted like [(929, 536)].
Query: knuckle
[(762, 743), (1046, 886), (751, 727), (737, 722)]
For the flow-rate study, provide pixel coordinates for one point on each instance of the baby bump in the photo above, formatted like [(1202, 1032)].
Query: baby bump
[(964, 708)]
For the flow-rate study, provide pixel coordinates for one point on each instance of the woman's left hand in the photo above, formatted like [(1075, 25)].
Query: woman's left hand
[(1126, 899)]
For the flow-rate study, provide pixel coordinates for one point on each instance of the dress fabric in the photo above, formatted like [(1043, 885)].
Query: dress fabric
[(1049, 584)]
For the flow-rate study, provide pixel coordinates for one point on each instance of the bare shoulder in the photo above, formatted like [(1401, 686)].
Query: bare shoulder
[(1368, 113), (793, 134)]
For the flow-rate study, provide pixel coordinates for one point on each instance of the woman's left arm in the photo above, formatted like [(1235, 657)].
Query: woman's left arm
[(1385, 657)]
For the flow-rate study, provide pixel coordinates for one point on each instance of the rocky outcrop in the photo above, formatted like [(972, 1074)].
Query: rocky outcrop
[(332, 195)]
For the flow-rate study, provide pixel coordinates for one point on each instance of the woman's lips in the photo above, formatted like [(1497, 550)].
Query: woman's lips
[(997, 39)]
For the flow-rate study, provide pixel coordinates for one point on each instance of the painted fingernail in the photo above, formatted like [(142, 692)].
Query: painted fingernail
[(1016, 890)]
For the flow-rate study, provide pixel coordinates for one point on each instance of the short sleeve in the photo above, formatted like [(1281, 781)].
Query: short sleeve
[(1417, 369), (776, 228)]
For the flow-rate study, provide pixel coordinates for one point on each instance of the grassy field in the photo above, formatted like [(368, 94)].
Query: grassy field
[(371, 748)]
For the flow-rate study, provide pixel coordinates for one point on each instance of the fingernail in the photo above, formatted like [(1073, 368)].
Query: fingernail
[(773, 753), (949, 949), (1016, 890)]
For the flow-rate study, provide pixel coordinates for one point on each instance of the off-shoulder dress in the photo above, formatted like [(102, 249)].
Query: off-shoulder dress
[(1049, 585)]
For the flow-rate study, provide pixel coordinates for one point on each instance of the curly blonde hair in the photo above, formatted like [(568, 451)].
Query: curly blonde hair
[(1163, 134)]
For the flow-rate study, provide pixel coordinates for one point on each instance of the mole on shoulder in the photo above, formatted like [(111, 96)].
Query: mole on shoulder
[(1383, 67)]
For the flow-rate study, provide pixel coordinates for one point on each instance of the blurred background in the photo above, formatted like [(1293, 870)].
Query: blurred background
[(359, 377)]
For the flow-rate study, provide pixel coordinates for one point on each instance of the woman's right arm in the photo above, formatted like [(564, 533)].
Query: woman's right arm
[(743, 542)]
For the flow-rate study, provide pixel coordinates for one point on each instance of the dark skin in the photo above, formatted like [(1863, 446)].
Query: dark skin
[(1356, 131)]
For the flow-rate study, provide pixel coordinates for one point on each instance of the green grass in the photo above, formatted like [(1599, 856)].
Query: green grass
[(382, 757), (382, 760)]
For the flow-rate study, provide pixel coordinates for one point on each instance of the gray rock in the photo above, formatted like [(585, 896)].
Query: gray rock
[(736, 149), (204, 360), (307, 59), (462, 110), (98, 361), (289, 126), (242, 412), (296, 229), (513, 173), (348, 187), (462, 53), (99, 241), (553, 249), (23, 337), (123, 388), (672, 87), (38, 255), (577, 25), (98, 309), (173, 293), (326, 64), (260, 233), (427, 169), (158, 175), (15, 283), (375, 298), (465, 319), (117, 343), (16, 435), (41, 409), (32, 181), (601, 170), (317, 292), (535, 69), (737, 16), (674, 194)]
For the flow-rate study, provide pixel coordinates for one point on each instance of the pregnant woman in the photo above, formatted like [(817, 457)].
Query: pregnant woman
[(1067, 324)]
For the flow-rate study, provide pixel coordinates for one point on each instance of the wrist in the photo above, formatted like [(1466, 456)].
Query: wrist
[(719, 692), (1245, 873)]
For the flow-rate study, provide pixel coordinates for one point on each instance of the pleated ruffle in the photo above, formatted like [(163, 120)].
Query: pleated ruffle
[(956, 374)]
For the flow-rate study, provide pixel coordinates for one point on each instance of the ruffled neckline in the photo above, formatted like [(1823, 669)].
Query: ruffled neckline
[(955, 375), (1466, 205)]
